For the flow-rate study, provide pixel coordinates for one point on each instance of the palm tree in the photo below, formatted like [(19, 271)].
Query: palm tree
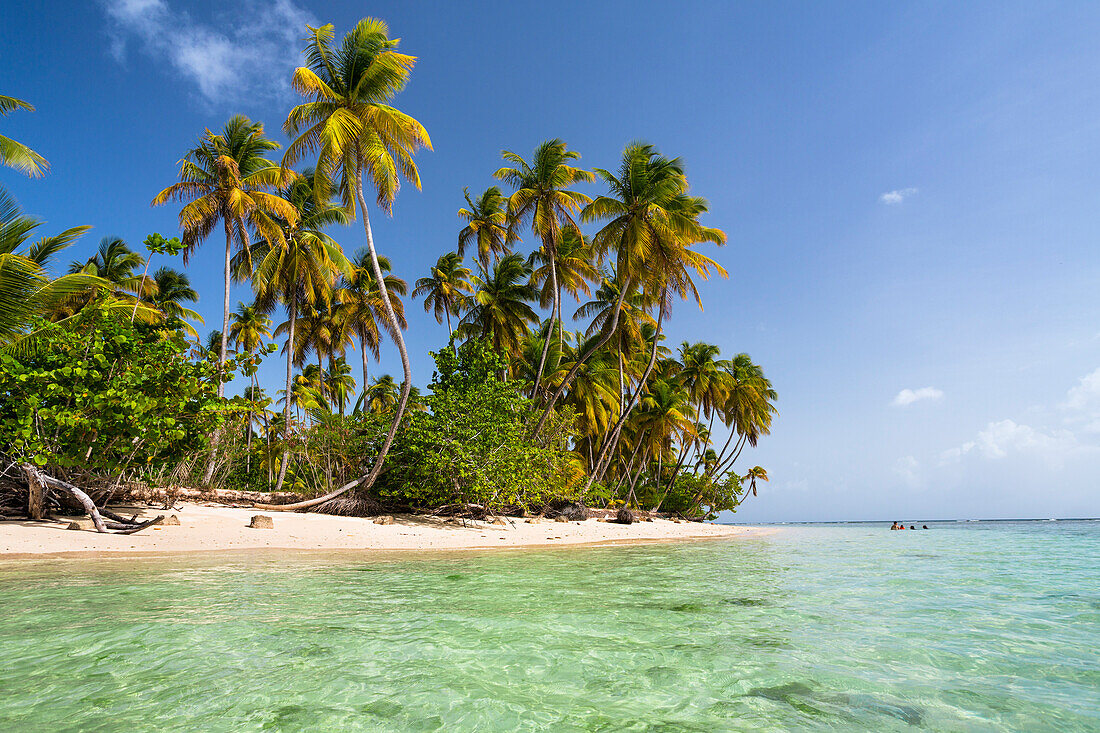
[(756, 473), (247, 329), (444, 290), (576, 265), (348, 124), (488, 225), (297, 269), (114, 262), (382, 395), (641, 210), (341, 385), (360, 307), (227, 179), (747, 409), (170, 290), (542, 198), (26, 291), (500, 308), (15, 154)]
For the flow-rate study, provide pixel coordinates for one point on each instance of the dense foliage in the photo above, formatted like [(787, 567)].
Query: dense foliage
[(471, 445), (104, 395)]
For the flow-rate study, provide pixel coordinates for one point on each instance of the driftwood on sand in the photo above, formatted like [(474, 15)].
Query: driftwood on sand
[(39, 484)]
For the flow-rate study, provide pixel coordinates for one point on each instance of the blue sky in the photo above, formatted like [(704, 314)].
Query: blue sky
[(910, 193)]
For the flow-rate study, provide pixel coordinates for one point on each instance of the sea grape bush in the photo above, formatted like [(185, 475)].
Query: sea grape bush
[(107, 396), (471, 443)]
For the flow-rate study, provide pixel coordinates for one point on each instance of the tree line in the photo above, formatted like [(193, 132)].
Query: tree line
[(528, 404)]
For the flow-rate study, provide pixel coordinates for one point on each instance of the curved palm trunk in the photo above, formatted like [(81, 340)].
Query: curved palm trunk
[(363, 352), (546, 341), (610, 331), (208, 475), (613, 439), (289, 377), (141, 287), (450, 331), (368, 480)]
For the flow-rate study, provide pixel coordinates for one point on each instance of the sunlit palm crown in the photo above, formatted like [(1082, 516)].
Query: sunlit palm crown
[(346, 123), (542, 196), (227, 179), (248, 327), (304, 260), (25, 288), (577, 266), (487, 224), (444, 290), (359, 301), (652, 222), (501, 308)]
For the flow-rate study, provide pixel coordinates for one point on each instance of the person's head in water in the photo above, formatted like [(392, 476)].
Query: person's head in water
[(925, 526), (912, 526)]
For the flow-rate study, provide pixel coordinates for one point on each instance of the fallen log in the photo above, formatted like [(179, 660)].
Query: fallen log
[(84, 499), (138, 527)]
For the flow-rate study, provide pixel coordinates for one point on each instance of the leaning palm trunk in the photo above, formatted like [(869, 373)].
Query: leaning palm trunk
[(613, 439), (208, 475), (550, 328), (289, 378), (608, 333), (368, 480)]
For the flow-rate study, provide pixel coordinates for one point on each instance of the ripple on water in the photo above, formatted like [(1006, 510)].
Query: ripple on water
[(831, 628)]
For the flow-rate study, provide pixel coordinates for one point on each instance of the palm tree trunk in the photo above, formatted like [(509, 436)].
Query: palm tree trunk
[(289, 376), (610, 331), (613, 439), (366, 481), (208, 475), (546, 341), (141, 287), (450, 331)]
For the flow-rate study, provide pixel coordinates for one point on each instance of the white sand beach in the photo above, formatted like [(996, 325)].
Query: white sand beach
[(206, 527)]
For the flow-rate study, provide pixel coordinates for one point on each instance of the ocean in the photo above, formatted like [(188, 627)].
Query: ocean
[(983, 626)]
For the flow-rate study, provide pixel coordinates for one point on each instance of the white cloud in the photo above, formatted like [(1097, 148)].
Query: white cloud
[(897, 196), (1005, 437), (906, 467), (1085, 394), (249, 54), (907, 397)]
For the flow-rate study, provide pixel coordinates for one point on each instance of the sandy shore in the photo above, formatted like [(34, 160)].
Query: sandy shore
[(206, 527)]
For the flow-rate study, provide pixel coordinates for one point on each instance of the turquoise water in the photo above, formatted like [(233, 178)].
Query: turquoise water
[(991, 626)]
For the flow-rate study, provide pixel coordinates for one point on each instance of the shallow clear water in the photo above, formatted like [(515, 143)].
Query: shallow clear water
[(991, 626)]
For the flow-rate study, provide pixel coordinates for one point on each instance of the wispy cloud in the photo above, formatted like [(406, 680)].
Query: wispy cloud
[(1002, 438), (1085, 394), (248, 53), (907, 397), (897, 196)]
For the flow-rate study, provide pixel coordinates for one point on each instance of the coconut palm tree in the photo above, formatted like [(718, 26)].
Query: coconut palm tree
[(248, 328), (115, 263), (670, 263), (500, 307), (640, 209), (170, 290), (488, 225), (15, 154), (341, 385), (355, 133), (227, 179), (576, 266), (26, 291), (360, 308), (382, 395), (445, 289), (297, 269), (543, 199)]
